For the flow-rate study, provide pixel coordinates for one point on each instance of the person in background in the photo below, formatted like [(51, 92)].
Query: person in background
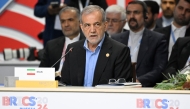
[(116, 18), (80, 4), (97, 58), (44, 9), (152, 16), (148, 49), (180, 25), (167, 7), (55, 49)]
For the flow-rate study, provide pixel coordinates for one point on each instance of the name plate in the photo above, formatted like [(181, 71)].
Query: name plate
[(36, 84), (39, 74)]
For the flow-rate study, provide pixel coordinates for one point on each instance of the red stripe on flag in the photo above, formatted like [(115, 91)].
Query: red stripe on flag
[(111, 2), (30, 73), (21, 23), (6, 42), (126, 3)]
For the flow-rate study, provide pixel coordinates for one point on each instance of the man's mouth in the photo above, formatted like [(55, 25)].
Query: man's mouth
[(93, 35)]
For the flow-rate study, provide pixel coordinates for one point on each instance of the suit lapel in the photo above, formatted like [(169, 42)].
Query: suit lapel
[(187, 33), (167, 30), (102, 60), (125, 38), (81, 53), (58, 51), (143, 47), (184, 55)]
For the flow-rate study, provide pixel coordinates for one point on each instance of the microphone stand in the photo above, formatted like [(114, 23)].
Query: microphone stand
[(62, 57)]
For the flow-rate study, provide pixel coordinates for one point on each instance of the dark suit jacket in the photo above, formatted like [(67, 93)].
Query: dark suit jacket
[(159, 22), (167, 32), (180, 54), (101, 3), (53, 52), (116, 65), (152, 56)]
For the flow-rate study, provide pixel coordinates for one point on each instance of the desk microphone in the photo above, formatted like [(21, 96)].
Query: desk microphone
[(70, 50), (184, 67)]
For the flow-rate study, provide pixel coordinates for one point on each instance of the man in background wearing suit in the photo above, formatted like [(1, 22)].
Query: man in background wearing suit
[(180, 25), (147, 48), (116, 18), (44, 9), (98, 58), (153, 11), (69, 18), (180, 56), (167, 7), (80, 4)]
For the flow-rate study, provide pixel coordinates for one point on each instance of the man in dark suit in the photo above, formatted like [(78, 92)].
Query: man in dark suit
[(69, 17), (147, 48), (98, 58), (167, 7), (180, 25), (152, 15), (44, 9), (179, 57)]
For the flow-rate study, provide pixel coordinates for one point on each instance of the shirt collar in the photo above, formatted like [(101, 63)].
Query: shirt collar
[(166, 19), (137, 33), (74, 39), (174, 27), (99, 45)]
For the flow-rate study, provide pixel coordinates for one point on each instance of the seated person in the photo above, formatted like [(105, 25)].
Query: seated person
[(55, 49), (179, 57), (97, 58)]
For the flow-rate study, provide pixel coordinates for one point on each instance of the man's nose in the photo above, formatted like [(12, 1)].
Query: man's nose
[(92, 28), (132, 15), (66, 23), (168, 5), (110, 22)]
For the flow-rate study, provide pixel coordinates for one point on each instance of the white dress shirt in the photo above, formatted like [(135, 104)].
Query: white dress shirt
[(166, 22), (175, 34), (134, 42)]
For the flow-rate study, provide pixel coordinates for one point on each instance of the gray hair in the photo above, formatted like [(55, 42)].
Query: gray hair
[(67, 8), (92, 8), (117, 9)]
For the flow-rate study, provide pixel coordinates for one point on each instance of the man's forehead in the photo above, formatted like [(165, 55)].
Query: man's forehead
[(68, 18), (113, 14), (137, 7), (91, 22), (168, 0)]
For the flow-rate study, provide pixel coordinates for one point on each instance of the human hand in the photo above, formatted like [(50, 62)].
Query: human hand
[(57, 73), (55, 10)]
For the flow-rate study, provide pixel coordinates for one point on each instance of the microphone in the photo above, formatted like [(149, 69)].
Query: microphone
[(183, 70), (70, 50)]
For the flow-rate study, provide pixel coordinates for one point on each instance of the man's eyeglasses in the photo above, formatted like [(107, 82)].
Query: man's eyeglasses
[(97, 25), (114, 20), (114, 81)]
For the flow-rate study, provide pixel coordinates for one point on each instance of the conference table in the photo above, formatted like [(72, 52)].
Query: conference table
[(71, 97)]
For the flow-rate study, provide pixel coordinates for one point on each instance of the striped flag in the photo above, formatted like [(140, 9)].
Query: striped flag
[(31, 72)]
